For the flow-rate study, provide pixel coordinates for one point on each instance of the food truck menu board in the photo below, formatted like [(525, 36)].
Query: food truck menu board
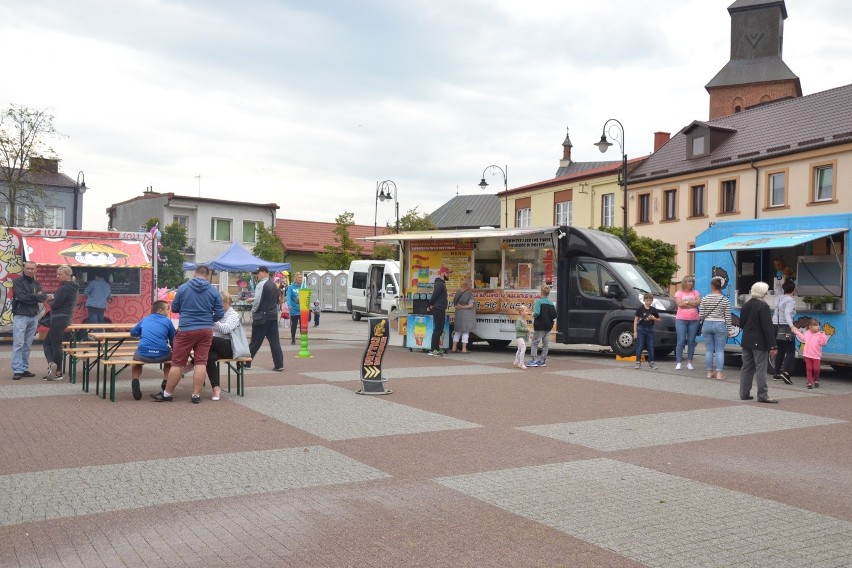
[(431, 257), (122, 281)]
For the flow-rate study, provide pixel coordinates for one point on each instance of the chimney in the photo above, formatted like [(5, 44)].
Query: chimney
[(660, 138), (44, 165), (566, 151)]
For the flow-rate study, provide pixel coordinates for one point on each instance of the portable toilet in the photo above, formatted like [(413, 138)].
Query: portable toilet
[(327, 287), (313, 282), (341, 283)]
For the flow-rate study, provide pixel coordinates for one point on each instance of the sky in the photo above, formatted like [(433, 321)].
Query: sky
[(310, 103)]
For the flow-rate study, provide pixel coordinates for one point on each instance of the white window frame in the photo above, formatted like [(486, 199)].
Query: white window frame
[(214, 222), (563, 213), (522, 217), (608, 210), (817, 188), (728, 196), (670, 204), (774, 189), (699, 200), (50, 217), (182, 220), (256, 228)]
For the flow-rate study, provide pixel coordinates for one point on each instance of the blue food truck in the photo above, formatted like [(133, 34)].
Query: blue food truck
[(815, 250)]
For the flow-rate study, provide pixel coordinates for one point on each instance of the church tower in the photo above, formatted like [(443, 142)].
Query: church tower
[(755, 74)]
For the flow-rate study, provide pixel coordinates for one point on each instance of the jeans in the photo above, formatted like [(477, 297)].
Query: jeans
[(785, 357), (267, 330), (686, 331), (645, 340), (23, 331), (544, 337), (96, 315), (754, 367), (715, 336), (439, 315)]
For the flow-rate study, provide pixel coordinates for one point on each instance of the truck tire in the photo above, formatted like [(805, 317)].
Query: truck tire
[(621, 339), (356, 316), (498, 343)]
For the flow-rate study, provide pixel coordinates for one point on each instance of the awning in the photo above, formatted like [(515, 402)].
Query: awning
[(82, 251), (759, 241), (462, 234)]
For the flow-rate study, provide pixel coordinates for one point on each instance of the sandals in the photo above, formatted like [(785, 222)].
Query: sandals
[(710, 374), (720, 376)]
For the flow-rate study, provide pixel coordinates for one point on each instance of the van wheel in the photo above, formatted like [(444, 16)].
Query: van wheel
[(621, 340), (498, 343), (356, 316)]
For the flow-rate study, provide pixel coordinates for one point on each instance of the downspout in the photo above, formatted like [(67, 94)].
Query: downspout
[(756, 183)]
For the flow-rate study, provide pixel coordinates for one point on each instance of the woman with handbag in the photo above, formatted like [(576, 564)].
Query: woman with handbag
[(783, 319), (716, 311), (222, 348)]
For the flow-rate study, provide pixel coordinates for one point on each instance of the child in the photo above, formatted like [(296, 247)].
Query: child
[(315, 307), (156, 335), (544, 314), (643, 330), (814, 338), (522, 333)]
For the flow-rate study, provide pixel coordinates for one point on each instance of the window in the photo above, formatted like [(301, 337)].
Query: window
[(696, 206), (670, 204), (563, 213), (608, 210), (250, 229), (220, 229), (181, 220), (54, 217), (522, 217), (824, 183), (592, 278), (645, 208), (777, 189), (698, 146), (728, 197)]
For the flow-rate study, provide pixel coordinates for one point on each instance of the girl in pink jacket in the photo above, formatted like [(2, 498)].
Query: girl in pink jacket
[(814, 338)]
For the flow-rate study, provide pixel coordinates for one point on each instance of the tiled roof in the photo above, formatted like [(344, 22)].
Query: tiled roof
[(780, 128), (603, 168), (467, 212), (172, 196), (314, 236), (47, 178), (579, 167)]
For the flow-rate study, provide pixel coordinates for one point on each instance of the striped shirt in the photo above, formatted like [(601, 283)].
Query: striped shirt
[(715, 306)]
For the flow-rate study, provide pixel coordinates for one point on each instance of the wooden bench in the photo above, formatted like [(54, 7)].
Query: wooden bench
[(238, 366), (114, 370), (87, 354)]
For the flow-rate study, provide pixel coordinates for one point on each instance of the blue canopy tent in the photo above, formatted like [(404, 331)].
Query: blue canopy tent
[(238, 259)]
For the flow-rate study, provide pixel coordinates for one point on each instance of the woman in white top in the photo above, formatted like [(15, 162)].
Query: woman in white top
[(785, 306), (716, 311), (221, 346)]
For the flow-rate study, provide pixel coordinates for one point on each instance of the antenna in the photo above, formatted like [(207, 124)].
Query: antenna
[(198, 177)]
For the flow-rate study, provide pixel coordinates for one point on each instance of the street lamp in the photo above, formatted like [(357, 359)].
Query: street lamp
[(382, 195), (483, 184), (603, 145), (79, 189)]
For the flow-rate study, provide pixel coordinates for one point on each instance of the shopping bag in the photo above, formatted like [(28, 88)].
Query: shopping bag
[(239, 343)]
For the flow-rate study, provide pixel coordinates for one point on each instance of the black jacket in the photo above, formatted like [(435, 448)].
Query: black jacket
[(27, 294), (65, 300), (757, 326), (439, 295)]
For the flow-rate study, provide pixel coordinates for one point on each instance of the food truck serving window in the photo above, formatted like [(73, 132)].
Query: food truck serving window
[(122, 281)]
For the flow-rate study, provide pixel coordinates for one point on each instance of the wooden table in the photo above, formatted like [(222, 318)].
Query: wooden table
[(76, 328), (104, 352)]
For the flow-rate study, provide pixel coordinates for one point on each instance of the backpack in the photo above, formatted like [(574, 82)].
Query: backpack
[(545, 318)]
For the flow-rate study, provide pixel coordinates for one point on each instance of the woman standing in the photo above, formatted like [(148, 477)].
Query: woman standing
[(716, 311), (758, 342), (783, 319), (687, 299), (61, 312), (221, 346), (465, 316)]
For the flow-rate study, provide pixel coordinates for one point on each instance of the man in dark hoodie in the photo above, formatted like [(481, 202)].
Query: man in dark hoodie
[(199, 305), (26, 296), (438, 308), (61, 311)]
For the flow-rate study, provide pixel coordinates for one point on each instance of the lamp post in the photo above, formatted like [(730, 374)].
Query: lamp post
[(603, 145), (382, 195), (79, 189), (483, 184)]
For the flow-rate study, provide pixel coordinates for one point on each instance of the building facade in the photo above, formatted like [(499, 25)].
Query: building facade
[(47, 198)]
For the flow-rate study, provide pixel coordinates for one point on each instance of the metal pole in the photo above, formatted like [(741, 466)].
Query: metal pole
[(624, 179), (376, 215), (506, 190)]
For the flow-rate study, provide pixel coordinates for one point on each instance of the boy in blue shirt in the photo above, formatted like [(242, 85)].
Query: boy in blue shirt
[(156, 335)]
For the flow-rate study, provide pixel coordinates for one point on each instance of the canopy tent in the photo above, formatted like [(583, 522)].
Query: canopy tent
[(767, 240), (238, 259)]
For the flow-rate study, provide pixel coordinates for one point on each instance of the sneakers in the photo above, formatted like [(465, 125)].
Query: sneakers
[(522, 366), (816, 384), (690, 367), (436, 353), (160, 397), (532, 363), (638, 365), (51, 372), (785, 376), (279, 369), (542, 362), (217, 393), (17, 376), (196, 399), (137, 390), (27, 375), (651, 365), (677, 367), (810, 385)]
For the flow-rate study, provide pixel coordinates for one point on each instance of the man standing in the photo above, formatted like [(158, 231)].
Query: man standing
[(294, 306), (97, 294), (264, 318), (27, 294), (438, 308), (199, 305)]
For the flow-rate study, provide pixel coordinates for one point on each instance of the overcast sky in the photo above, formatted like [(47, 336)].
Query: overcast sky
[(310, 103)]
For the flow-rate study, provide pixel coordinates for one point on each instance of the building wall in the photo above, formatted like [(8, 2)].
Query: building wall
[(586, 198), (799, 173), (129, 216), (59, 197), (201, 215), (725, 100)]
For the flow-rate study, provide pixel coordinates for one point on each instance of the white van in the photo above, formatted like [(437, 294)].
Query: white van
[(373, 288)]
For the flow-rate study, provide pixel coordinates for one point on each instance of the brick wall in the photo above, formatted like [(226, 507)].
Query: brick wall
[(723, 100)]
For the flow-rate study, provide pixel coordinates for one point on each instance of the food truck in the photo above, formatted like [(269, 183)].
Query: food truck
[(596, 282), (123, 259), (815, 249)]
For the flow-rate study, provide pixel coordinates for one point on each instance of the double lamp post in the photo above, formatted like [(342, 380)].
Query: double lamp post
[(383, 193)]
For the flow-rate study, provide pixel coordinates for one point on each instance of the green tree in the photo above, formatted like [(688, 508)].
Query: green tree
[(411, 221), (656, 257), (23, 139), (339, 256), (174, 241), (268, 245)]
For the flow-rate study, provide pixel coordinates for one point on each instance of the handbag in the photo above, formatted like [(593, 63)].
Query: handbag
[(783, 332), (700, 326), (239, 343), (285, 311)]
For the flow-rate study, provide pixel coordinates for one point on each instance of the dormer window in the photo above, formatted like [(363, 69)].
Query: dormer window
[(702, 139), (698, 146)]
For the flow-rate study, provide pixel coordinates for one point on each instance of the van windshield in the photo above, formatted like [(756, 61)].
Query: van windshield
[(637, 278)]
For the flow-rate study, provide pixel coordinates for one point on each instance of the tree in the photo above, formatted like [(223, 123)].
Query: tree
[(339, 257), (656, 257), (411, 221), (268, 245), (174, 241), (23, 138)]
